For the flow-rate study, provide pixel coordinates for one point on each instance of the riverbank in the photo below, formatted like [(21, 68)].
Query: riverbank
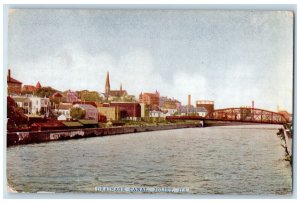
[(18, 138)]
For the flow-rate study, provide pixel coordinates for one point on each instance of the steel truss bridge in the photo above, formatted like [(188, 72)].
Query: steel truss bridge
[(243, 115)]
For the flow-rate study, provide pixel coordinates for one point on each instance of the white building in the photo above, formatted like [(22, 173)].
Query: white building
[(201, 111), (62, 118), (64, 109), (40, 105), (156, 114)]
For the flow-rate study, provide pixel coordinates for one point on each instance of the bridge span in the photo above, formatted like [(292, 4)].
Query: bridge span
[(240, 115)]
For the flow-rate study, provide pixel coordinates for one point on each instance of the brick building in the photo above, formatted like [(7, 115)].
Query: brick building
[(151, 99), (128, 110), (13, 86)]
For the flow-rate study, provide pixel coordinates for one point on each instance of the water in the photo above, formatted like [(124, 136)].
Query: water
[(216, 160)]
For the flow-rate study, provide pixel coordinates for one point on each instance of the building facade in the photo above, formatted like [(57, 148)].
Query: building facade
[(111, 113), (128, 110), (71, 97), (91, 112), (151, 99), (40, 105), (207, 104), (14, 87)]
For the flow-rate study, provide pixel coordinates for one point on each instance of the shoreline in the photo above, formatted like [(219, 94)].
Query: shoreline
[(20, 138)]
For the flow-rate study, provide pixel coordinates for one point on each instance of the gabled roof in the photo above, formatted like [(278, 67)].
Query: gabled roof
[(117, 93), (20, 99), (28, 88), (65, 106), (12, 80), (86, 106), (56, 94)]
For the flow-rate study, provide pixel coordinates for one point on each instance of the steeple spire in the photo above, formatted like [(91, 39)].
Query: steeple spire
[(107, 84)]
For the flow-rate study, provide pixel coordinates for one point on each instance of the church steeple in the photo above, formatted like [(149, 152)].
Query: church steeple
[(107, 84)]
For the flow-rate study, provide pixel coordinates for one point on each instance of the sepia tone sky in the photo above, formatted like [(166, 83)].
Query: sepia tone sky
[(231, 57)]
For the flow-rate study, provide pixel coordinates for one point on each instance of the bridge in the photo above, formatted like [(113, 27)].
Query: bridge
[(241, 115)]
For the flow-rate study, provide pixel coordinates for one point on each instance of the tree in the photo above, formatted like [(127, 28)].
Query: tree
[(91, 96), (45, 92), (77, 113), (15, 115)]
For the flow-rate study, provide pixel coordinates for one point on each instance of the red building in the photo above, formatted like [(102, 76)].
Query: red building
[(28, 89), (151, 99), (13, 86), (128, 109)]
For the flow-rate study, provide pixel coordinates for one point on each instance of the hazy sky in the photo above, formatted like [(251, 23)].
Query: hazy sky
[(231, 57)]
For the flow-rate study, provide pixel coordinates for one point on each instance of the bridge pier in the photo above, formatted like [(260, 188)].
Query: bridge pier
[(202, 122)]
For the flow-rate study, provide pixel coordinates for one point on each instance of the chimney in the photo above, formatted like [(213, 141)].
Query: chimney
[(189, 103), (8, 74), (252, 104)]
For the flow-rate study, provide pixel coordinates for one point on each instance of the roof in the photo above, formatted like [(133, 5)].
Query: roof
[(12, 80), (86, 106), (117, 93), (28, 88), (201, 109), (88, 122), (20, 99), (57, 94), (65, 106), (72, 124), (38, 85)]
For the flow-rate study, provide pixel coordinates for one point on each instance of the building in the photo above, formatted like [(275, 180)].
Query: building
[(13, 86), (112, 95), (128, 110), (111, 113), (201, 111), (185, 109), (24, 103), (162, 100), (38, 85), (145, 108), (62, 118), (91, 112), (151, 99), (71, 97), (28, 89), (207, 104), (64, 109), (156, 114), (57, 97), (40, 105)]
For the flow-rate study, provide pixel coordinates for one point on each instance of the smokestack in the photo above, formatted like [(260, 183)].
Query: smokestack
[(252, 104), (189, 103), (8, 74)]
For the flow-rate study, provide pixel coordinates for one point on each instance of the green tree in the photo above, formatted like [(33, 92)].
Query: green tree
[(45, 92), (92, 96), (77, 113)]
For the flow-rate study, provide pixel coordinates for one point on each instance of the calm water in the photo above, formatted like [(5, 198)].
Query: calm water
[(216, 160)]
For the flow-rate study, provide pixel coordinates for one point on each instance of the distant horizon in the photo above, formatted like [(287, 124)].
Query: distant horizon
[(229, 57)]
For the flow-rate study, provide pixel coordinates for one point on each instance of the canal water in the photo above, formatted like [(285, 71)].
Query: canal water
[(215, 160)]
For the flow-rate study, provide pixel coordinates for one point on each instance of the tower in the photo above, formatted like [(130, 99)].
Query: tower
[(107, 84)]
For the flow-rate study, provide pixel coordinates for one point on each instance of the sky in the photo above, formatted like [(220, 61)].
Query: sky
[(230, 57)]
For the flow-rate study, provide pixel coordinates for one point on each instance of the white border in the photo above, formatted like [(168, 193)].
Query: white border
[(214, 4)]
